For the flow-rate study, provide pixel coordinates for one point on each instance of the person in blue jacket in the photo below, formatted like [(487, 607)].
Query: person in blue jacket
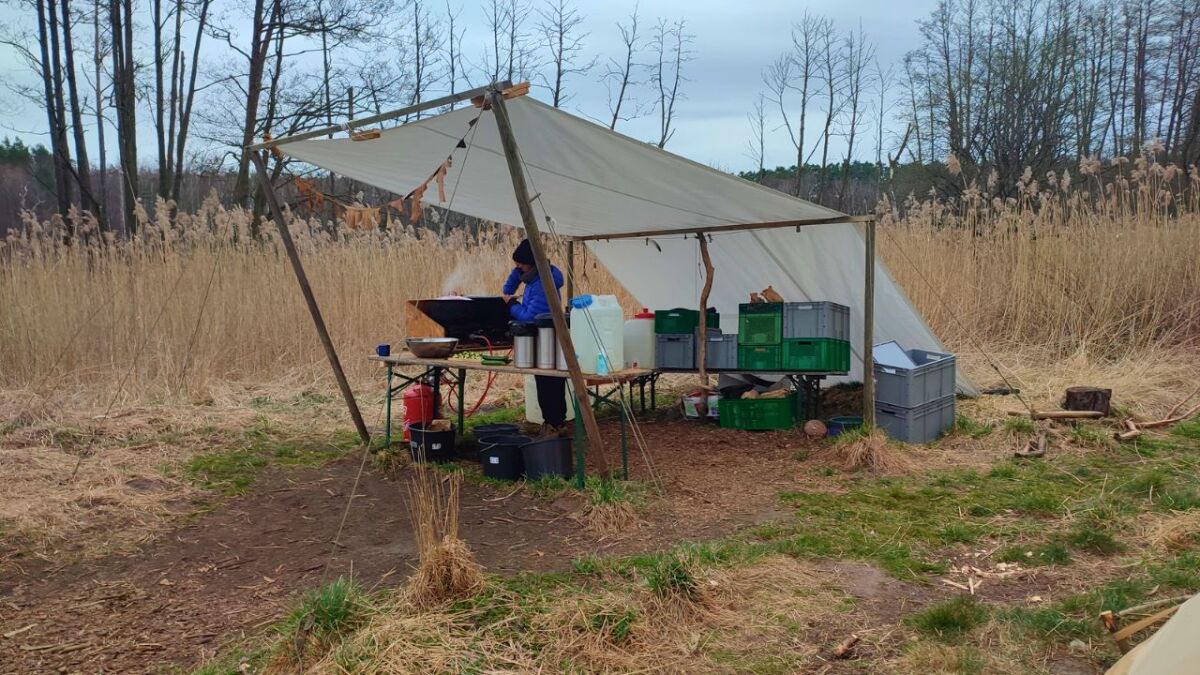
[(551, 391)]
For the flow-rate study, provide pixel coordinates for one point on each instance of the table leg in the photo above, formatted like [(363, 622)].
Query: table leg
[(653, 395), (437, 392), (624, 439), (580, 442), (462, 388), (387, 425)]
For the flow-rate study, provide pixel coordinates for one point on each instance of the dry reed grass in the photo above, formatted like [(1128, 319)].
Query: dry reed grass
[(447, 570), (866, 451), (615, 627), (1070, 278), (1176, 531)]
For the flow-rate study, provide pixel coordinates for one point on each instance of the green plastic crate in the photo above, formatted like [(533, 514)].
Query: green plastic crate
[(682, 320), (758, 414), (760, 357), (816, 355), (760, 323)]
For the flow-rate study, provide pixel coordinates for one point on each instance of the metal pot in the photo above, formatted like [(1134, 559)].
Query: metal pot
[(431, 348)]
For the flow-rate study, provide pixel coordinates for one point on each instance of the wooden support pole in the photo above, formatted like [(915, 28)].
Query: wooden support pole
[(289, 247), (702, 338), (383, 117), (570, 268), (868, 357), (509, 141)]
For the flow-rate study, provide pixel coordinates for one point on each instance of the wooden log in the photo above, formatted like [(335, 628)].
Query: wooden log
[(843, 650), (1059, 414), (1088, 398)]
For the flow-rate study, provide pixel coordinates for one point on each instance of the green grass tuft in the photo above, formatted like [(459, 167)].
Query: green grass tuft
[(672, 576), (950, 620), (1019, 425)]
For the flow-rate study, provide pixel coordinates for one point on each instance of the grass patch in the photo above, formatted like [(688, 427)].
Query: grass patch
[(1019, 425), (233, 471), (950, 620), (1094, 540), (968, 427), (323, 617)]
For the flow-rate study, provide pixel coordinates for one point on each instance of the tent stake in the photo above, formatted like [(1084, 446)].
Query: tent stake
[(869, 328), (309, 299), (509, 141)]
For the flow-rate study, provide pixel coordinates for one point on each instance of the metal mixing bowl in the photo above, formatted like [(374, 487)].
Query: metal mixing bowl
[(431, 348)]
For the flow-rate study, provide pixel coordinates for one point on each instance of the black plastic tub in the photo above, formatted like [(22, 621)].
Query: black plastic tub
[(548, 457), (496, 430), (430, 446), (501, 456)]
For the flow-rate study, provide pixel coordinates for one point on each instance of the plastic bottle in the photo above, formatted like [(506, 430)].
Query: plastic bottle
[(598, 327), (640, 340)]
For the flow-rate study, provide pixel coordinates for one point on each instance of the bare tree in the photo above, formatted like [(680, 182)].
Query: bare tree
[(672, 44), (830, 72), (796, 71), (756, 147), (859, 56), (453, 45), (561, 36), (124, 74), (83, 169), (426, 41), (188, 99), (619, 75)]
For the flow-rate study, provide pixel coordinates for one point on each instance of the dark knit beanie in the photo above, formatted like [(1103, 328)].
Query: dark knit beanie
[(524, 253)]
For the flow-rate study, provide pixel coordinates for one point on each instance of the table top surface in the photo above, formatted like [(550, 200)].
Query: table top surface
[(407, 359)]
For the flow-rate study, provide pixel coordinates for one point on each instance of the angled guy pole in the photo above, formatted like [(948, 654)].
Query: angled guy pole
[(260, 167), (543, 267)]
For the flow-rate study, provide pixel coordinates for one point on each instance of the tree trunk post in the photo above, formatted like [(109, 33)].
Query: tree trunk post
[(868, 357), (578, 383), (1088, 398), (702, 337)]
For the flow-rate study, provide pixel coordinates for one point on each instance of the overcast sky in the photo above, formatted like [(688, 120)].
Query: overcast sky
[(734, 41)]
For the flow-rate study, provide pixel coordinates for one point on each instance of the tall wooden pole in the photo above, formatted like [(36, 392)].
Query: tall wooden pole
[(702, 338), (509, 141), (289, 247), (570, 268), (869, 328)]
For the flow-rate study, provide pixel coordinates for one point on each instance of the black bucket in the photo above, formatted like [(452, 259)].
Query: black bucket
[(501, 456), (435, 446), (496, 430), (548, 457)]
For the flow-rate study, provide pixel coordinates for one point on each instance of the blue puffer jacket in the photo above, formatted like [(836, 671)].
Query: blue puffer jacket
[(534, 301)]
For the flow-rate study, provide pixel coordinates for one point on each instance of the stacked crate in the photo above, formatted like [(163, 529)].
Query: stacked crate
[(816, 337), (914, 392), (675, 336), (760, 336), (794, 337)]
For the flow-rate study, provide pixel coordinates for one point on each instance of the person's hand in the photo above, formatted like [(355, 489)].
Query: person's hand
[(506, 298)]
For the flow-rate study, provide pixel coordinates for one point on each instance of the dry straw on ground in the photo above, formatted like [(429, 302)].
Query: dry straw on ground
[(610, 627), (447, 569), (870, 451)]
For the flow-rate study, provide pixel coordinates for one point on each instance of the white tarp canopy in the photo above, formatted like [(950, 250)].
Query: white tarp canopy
[(594, 182)]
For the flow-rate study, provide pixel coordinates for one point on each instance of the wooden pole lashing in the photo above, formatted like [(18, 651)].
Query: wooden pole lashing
[(702, 338), (509, 141), (868, 357), (314, 311)]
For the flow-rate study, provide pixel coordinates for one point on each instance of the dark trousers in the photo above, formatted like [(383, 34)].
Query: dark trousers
[(551, 394)]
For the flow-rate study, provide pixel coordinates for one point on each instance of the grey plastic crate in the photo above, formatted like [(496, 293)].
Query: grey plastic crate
[(675, 351), (816, 320), (721, 351), (921, 424), (930, 378)]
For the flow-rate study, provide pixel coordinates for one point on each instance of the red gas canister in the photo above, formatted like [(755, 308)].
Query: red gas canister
[(418, 406)]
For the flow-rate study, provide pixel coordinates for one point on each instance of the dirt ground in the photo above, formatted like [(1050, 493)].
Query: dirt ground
[(224, 573)]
